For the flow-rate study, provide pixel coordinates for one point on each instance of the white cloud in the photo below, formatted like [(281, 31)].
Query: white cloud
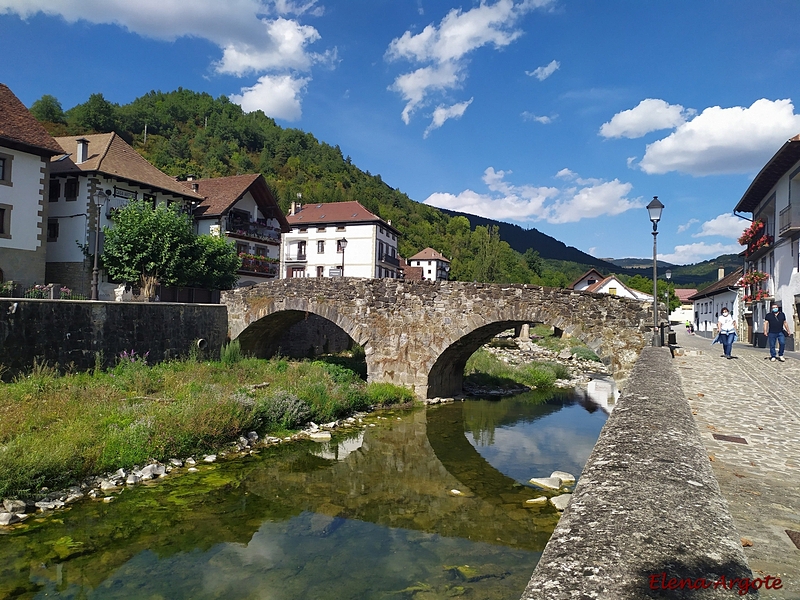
[(724, 140), (443, 113), (649, 115), (277, 95), (542, 73), (254, 36), (442, 49), (687, 225), (543, 119), (580, 199), (725, 225), (692, 253)]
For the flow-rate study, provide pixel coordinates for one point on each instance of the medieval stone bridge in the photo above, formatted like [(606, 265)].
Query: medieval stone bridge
[(420, 334)]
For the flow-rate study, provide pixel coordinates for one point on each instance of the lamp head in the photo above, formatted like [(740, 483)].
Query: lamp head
[(654, 209), (668, 274)]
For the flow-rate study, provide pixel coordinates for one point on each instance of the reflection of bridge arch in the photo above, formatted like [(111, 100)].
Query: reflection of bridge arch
[(421, 334)]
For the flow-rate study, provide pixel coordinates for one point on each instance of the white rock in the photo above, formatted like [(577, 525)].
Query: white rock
[(133, 479), (253, 437), (190, 461), (320, 436), (73, 497), (210, 458), (546, 483), (107, 485), (455, 492), (14, 506), (561, 502), (49, 505), (540, 501), (312, 426), (566, 478), (176, 462), (7, 518), (108, 499), (192, 469)]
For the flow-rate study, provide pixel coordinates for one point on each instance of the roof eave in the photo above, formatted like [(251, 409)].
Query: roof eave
[(778, 165)]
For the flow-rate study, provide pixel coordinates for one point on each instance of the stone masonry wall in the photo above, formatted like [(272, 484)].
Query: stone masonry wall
[(65, 332)]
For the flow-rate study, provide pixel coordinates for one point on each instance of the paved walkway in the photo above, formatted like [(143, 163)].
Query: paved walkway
[(758, 400)]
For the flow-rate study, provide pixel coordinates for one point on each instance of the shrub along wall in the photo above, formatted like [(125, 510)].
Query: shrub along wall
[(69, 334)]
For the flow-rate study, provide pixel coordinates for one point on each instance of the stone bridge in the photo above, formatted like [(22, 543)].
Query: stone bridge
[(420, 334)]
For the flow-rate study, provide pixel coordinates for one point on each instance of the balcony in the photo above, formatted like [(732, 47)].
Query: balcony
[(389, 260), (252, 230), (295, 258), (789, 220), (259, 265)]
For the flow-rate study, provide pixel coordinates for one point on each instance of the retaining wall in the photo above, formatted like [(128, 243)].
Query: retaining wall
[(647, 503), (67, 332)]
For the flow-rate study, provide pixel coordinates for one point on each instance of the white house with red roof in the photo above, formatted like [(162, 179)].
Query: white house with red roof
[(435, 267), (243, 209), (339, 239), (593, 281), (91, 170), (25, 151)]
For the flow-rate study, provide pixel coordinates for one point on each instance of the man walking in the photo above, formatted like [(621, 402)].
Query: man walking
[(776, 329)]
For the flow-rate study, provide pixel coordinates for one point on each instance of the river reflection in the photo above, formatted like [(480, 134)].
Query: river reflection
[(372, 514)]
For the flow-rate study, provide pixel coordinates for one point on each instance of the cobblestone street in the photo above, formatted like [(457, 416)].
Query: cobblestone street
[(756, 401)]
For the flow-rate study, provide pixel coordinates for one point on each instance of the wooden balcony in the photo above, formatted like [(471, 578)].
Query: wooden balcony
[(789, 220)]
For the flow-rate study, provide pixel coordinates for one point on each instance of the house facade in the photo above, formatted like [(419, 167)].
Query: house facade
[(243, 209), (435, 267), (339, 239), (707, 304), (685, 312), (25, 151), (97, 170), (593, 281), (772, 241)]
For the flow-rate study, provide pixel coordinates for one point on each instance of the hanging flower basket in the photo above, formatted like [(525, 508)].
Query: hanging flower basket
[(755, 231), (753, 278)]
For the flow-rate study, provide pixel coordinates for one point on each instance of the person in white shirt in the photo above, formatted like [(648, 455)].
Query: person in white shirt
[(727, 332)]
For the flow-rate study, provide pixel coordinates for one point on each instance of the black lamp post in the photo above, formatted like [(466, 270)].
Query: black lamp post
[(654, 210), (343, 245), (99, 198)]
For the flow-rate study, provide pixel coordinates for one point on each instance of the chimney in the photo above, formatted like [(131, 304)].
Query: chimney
[(190, 177), (720, 273), (83, 150), (195, 187), (293, 209)]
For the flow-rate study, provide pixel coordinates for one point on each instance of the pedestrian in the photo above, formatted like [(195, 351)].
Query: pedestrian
[(688, 325), (727, 332), (776, 329)]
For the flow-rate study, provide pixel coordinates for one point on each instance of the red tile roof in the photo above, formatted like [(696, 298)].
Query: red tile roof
[(723, 285), (684, 294), (221, 193), (110, 155), (20, 130), (429, 254), (334, 213)]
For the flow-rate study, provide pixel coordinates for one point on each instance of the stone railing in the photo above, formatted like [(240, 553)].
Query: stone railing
[(647, 512)]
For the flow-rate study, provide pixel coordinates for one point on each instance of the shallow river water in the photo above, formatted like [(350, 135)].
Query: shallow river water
[(372, 514)]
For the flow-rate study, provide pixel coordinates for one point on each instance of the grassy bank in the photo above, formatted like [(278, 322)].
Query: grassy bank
[(485, 369), (55, 430)]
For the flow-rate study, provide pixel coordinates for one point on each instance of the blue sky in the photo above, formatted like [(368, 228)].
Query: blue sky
[(564, 115)]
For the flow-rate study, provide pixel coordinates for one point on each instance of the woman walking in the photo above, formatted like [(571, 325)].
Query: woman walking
[(727, 332)]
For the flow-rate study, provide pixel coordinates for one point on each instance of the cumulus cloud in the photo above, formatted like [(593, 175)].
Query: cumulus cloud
[(443, 113), (649, 115), (687, 225), (699, 251), (725, 225), (542, 73), (254, 36), (276, 95), (578, 199), (724, 140), (442, 49)]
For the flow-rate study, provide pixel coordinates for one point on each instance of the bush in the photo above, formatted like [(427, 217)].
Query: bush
[(388, 393), (283, 409), (231, 353), (585, 353)]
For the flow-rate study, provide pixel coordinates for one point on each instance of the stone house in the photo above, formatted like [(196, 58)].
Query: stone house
[(94, 175), (707, 303), (243, 209), (324, 238), (25, 151), (435, 267), (773, 240)]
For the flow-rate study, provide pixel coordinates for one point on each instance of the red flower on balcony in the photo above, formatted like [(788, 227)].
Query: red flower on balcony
[(755, 231), (258, 264)]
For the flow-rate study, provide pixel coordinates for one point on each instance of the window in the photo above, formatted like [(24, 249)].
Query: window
[(240, 248), (5, 221), (297, 272), (320, 230), (71, 190), (5, 169), (55, 190), (303, 229), (612, 291), (320, 247), (301, 251), (52, 230), (320, 271), (261, 251), (340, 228)]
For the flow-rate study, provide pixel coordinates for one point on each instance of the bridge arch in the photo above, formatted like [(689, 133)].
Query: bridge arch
[(420, 334)]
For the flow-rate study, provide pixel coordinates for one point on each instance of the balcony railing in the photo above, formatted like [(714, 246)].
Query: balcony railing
[(254, 231), (389, 260), (290, 258), (789, 220)]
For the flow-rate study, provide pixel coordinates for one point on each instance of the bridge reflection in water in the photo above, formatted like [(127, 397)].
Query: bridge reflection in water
[(370, 515)]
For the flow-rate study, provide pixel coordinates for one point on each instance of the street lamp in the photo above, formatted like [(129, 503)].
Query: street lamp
[(343, 245), (654, 210), (99, 198)]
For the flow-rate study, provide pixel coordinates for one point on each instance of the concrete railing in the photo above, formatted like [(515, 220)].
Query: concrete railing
[(647, 519)]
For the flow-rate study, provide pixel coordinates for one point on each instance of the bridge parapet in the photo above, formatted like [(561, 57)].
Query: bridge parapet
[(420, 334)]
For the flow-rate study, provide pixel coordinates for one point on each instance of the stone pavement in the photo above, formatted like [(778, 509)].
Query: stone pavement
[(757, 400)]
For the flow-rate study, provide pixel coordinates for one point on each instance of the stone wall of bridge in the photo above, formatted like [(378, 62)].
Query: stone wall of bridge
[(420, 334)]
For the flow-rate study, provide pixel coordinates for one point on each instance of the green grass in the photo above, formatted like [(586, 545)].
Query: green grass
[(55, 430), (485, 369)]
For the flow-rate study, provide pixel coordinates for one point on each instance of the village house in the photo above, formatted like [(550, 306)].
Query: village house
[(435, 267), (772, 240), (339, 239), (593, 281), (685, 312), (707, 304), (94, 175), (25, 151), (243, 209)]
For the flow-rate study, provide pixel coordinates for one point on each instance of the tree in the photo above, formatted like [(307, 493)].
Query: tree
[(534, 261), (215, 263), (149, 245), (47, 109), (95, 115)]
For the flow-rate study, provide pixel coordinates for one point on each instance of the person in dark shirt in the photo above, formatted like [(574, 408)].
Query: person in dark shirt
[(776, 329)]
